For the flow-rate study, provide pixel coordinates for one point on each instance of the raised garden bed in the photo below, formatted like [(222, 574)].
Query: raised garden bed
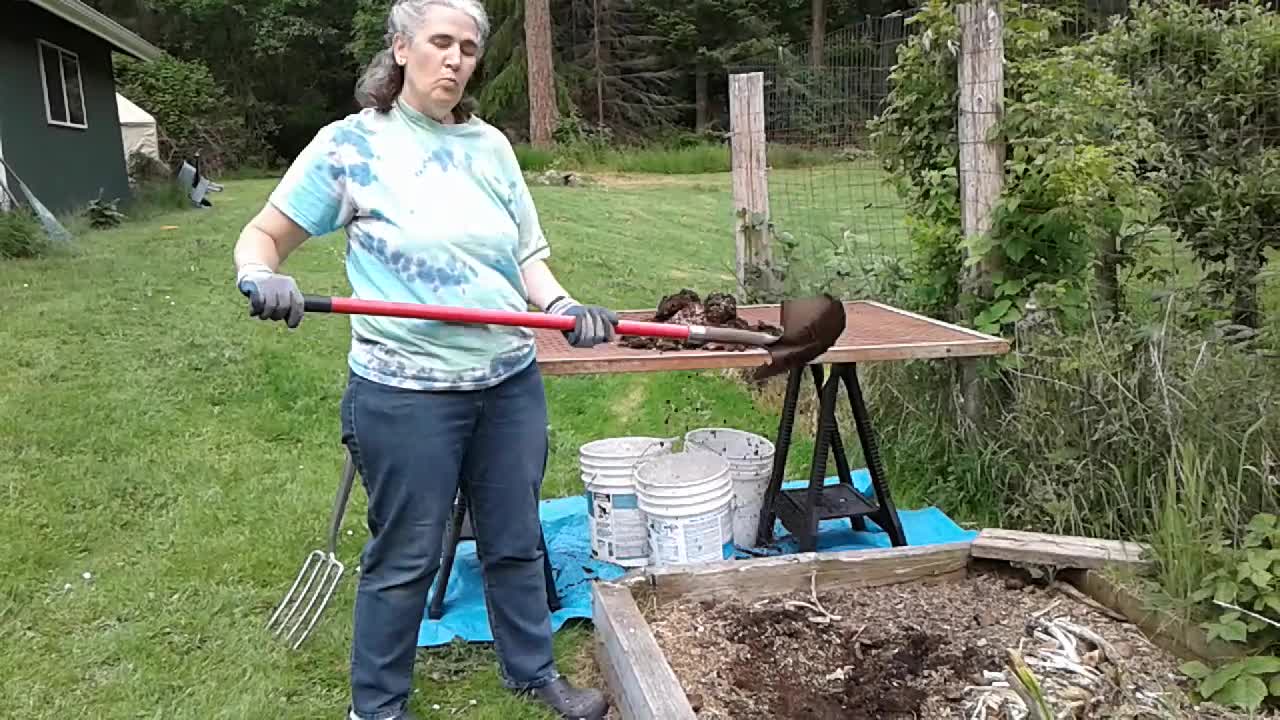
[(917, 632)]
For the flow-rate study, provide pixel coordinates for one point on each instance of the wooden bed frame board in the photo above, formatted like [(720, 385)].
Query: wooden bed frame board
[(765, 577), (643, 685)]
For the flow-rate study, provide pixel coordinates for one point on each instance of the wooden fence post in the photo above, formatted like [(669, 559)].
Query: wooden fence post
[(750, 184), (981, 103)]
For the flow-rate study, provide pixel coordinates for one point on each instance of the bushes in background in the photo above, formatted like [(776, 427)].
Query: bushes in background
[(192, 111), (21, 235)]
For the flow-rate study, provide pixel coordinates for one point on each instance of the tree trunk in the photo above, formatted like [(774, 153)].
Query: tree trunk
[(700, 97), (542, 90), (599, 62), (1245, 310), (1106, 278), (818, 32)]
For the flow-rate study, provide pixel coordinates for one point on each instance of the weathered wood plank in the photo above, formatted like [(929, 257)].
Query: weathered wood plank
[(764, 577), (1064, 551), (1170, 633), (642, 682)]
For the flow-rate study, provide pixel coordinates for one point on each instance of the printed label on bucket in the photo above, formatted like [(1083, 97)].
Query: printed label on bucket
[(704, 538), (618, 530)]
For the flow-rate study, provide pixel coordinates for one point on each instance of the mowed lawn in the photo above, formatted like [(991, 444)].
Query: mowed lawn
[(166, 462)]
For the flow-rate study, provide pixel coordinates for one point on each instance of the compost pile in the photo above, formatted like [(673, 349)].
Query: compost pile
[(919, 651), (687, 308)]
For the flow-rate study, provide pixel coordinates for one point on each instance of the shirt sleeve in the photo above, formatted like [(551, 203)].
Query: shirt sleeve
[(313, 191), (532, 245)]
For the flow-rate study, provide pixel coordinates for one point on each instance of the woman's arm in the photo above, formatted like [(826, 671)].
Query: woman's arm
[(264, 244), (267, 240), (594, 324), (541, 284)]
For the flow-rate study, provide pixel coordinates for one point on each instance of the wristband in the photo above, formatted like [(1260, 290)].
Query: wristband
[(562, 303)]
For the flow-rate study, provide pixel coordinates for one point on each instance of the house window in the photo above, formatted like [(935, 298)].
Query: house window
[(63, 90)]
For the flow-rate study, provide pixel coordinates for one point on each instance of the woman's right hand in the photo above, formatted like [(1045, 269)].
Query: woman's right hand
[(272, 296)]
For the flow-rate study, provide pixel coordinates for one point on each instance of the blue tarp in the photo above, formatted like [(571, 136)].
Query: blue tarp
[(564, 522)]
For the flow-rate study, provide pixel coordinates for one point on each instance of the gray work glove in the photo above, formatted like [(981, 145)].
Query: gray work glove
[(592, 324), (272, 296)]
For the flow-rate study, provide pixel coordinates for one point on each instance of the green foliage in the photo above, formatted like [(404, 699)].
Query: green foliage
[(21, 235), (1074, 141), (191, 109), (1249, 577), (1107, 434), (104, 214), (1245, 590), (1205, 80), (158, 196), (916, 140)]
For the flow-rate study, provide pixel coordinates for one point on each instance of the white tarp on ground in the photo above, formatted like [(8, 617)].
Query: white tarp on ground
[(137, 129)]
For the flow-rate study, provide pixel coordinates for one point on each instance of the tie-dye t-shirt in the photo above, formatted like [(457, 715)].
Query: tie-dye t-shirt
[(435, 214)]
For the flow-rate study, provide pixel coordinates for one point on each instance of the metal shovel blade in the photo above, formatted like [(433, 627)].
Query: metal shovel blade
[(321, 570), (810, 326)]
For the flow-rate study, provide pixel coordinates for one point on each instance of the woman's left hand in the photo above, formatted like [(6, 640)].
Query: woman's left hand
[(592, 324)]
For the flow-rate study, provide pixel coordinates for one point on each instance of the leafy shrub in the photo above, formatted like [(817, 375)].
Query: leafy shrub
[(21, 235), (1245, 590), (1073, 139), (104, 214), (1204, 78), (192, 111)]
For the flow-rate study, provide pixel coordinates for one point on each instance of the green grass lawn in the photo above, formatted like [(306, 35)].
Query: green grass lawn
[(166, 461)]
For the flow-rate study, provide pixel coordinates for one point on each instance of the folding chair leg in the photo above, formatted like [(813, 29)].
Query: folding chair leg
[(435, 610), (553, 598)]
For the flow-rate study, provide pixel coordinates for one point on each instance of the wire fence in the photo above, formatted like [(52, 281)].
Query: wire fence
[(837, 221), (1121, 159)]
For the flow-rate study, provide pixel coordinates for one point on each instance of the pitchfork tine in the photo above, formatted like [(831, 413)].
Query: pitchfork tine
[(326, 568)]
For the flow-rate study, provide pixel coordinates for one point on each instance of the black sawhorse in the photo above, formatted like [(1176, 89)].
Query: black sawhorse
[(460, 529), (801, 510)]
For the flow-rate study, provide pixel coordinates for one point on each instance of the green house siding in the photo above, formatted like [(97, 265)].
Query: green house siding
[(65, 167)]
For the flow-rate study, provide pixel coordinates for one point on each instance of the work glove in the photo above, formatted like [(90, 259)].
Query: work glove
[(272, 296), (592, 324)]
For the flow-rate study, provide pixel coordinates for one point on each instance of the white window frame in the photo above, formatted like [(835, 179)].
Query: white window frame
[(66, 101)]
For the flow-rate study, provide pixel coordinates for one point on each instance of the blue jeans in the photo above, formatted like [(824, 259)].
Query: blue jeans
[(413, 449)]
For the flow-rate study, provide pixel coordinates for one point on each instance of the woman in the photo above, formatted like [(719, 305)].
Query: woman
[(436, 211)]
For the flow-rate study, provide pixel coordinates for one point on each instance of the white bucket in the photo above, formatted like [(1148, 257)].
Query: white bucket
[(618, 531), (750, 458), (687, 498)]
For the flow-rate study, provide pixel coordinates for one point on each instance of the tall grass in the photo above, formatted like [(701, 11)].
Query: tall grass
[(1135, 432), (21, 235), (658, 159)]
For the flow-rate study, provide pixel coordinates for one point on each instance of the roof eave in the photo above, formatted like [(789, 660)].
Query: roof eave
[(83, 16)]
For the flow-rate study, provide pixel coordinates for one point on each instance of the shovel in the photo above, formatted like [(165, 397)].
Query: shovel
[(810, 326), (322, 570)]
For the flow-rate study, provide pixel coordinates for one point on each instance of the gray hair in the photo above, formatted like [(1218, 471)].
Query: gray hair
[(383, 78)]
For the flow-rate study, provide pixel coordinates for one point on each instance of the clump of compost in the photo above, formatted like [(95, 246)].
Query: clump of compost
[(688, 308)]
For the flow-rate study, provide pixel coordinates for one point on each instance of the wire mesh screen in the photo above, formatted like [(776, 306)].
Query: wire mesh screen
[(837, 224)]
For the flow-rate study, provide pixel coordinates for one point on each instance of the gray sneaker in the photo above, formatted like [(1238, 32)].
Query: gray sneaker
[(572, 703)]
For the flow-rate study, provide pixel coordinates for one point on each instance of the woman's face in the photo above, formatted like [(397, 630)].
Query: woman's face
[(439, 61)]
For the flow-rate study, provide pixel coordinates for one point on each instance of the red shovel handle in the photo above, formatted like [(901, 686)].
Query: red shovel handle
[(442, 313)]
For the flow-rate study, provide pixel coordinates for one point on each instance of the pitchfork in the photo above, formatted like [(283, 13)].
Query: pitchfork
[(325, 572)]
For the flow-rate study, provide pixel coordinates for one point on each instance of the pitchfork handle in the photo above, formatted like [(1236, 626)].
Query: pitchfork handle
[(340, 503)]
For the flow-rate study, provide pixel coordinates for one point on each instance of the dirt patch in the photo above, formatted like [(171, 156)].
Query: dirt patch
[(688, 308), (913, 651)]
